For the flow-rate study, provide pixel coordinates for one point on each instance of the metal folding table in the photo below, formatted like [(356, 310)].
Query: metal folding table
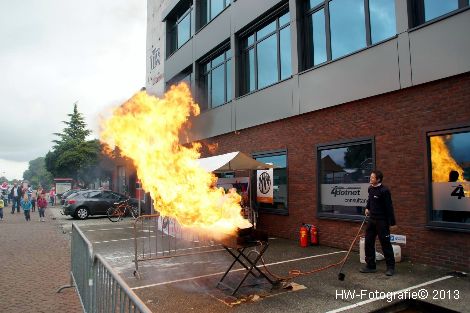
[(241, 255)]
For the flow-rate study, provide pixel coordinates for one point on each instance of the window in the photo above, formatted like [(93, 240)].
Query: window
[(179, 26), (210, 9), (266, 54), (217, 79), (423, 11), (184, 76), (450, 178), (335, 28), (279, 205), (344, 170)]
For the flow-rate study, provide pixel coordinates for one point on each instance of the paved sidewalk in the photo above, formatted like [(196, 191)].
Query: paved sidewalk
[(34, 263)]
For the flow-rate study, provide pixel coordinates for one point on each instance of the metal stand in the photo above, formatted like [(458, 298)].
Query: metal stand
[(239, 256)]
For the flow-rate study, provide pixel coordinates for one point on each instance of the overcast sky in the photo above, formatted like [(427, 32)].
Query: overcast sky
[(54, 53)]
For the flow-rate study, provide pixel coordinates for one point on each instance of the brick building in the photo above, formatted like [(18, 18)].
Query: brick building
[(327, 91)]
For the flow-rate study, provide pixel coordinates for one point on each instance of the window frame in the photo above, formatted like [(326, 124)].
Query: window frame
[(428, 133), (180, 77), (271, 210), (416, 14), (207, 4), (244, 50), (172, 27), (334, 145), (307, 62), (203, 73)]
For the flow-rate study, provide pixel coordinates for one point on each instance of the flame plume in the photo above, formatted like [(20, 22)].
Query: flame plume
[(442, 161), (146, 129)]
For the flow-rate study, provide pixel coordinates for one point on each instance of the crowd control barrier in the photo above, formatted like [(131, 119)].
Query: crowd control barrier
[(158, 237), (99, 287)]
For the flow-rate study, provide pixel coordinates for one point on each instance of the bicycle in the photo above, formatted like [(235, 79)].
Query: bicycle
[(121, 209)]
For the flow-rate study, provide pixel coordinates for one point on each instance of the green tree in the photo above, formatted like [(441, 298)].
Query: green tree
[(37, 174), (72, 155)]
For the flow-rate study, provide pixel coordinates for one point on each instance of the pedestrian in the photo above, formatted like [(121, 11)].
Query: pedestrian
[(2, 204), (34, 197), (26, 205), (16, 195), (379, 209), (52, 195), (4, 193), (42, 205)]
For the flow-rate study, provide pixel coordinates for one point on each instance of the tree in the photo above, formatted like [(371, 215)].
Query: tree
[(37, 174), (72, 155)]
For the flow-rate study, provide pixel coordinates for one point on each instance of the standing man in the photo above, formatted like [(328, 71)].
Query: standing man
[(16, 193), (381, 217)]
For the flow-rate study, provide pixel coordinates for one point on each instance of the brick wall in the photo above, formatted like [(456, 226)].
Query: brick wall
[(398, 122)]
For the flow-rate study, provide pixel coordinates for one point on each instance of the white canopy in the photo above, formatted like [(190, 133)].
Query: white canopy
[(232, 161)]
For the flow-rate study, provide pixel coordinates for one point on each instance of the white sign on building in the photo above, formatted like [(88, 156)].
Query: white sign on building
[(264, 186), (344, 194), (454, 196)]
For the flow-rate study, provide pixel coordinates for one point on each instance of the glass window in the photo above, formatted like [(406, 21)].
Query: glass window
[(314, 3), (267, 54), (344, 178), (347, 27), (285, 19), (250, 69), (318, 37), (279, 205), (382, 19), (267, 62), (266, 30), (210, 9), (228, 72), (436, 8), (218, 89), (450, 174), (285, 50), (217, 80), (337, 28), (179, 28), (184, 30), (217, 6)]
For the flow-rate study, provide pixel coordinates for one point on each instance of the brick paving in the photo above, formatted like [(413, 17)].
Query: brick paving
[(34, 263)]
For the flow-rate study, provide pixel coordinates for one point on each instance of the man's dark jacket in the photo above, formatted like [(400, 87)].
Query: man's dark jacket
[(380, 204)]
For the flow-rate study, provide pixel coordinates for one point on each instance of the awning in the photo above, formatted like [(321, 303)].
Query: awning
[(232, 161)]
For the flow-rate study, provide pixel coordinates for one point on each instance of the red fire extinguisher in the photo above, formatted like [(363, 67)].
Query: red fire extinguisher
[(303, 236), (314, 235)]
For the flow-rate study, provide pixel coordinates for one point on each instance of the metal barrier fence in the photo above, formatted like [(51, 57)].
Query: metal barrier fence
[(157, 237), (99, 287)]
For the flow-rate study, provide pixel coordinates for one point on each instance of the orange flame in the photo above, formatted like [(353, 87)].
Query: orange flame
[(442, 161), (146, 130)]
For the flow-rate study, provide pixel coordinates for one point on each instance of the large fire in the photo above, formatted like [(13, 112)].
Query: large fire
[(442, 161), (147, 129)]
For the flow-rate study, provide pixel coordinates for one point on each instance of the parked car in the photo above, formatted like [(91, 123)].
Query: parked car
[(68, 193), (83, 204)]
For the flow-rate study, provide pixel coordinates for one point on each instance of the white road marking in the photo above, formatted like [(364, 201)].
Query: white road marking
[(106, 229), (356, 305), (240, 269)]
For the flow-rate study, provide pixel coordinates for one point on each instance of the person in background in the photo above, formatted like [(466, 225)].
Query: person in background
[(4, 193), (34, 197), (52, 196), (381, 215), (42, 205), (16, 195), (1, 208), (26, 205)]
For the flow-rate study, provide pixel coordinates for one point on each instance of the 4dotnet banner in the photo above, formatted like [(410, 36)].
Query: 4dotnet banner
[(344, 194)]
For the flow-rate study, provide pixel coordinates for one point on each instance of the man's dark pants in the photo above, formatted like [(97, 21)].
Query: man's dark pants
[(378, 228), (15, 203)]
